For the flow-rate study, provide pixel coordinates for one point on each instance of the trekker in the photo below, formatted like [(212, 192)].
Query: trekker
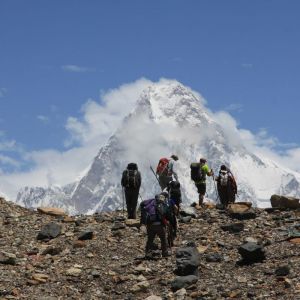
[(226, 185), (166, 171), (154, 216), (131, 183), (173, 201), (174, 192), (199, 171)]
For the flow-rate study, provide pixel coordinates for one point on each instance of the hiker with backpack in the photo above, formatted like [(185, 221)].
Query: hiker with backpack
[(174, 192), (131, 183), (199, 171), (226, 186), (173, 196), (154, 214), (166, 170)]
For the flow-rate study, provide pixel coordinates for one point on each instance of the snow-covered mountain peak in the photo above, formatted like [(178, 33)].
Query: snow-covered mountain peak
[(170, 101)]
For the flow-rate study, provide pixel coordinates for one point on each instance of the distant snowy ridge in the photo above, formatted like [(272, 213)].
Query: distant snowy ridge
[(168, 118)]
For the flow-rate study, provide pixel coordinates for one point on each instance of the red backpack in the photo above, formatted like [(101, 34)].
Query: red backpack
[(162, 167)]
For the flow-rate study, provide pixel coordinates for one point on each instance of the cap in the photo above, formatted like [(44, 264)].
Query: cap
[(202, 160)]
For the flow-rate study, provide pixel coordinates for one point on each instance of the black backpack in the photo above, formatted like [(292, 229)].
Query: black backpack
[(129, 179), (196, 172), (174, 191)]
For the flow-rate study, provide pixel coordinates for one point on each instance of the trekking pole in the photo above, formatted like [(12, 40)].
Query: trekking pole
[(154, 174)]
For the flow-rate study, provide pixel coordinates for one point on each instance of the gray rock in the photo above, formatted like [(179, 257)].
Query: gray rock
[(213, 257), (251, 253), (86, 235), (183, 281), (282, 271), (49, 231), (233, 228), (246, 215), (118, 225)]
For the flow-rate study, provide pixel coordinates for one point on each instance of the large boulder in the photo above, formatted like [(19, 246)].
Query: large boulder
[(52, 211), (187, 261), (251, 253), (285, 202), (239, 207), (241, 211), (49, 231)]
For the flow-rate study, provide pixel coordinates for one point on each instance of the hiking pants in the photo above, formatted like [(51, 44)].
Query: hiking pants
[(226, 195), (201, 187), (131, 196), (152, 231)]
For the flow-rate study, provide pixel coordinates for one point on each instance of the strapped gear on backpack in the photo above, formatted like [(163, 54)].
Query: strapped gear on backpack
[(162, 167), (197, 173)]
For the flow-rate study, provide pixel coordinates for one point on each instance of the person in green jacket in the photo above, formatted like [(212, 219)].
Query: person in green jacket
[(201, 183)]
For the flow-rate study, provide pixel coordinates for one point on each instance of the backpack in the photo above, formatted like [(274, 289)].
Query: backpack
[(130, 176), (162, 167), (223, 177), (152, 210), (174, 191), (196, 172)]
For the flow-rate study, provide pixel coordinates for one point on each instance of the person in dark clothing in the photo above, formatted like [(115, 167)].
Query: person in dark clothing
[(131, 183), (226, 185), (174, 192), (172, 213), (154, 216)]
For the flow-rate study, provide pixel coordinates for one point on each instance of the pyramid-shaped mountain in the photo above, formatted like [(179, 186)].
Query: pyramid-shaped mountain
[(167, 118)]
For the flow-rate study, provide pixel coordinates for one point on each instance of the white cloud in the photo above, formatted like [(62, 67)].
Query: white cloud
[(234, 107), (260, 143), (43, 119), (3, 92), (76, 69), (100, 119)]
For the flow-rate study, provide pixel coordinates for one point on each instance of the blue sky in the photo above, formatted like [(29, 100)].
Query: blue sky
[(242, 56)]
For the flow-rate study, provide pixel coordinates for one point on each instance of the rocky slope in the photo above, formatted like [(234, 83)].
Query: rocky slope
[(107, 263), (168, 118)]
